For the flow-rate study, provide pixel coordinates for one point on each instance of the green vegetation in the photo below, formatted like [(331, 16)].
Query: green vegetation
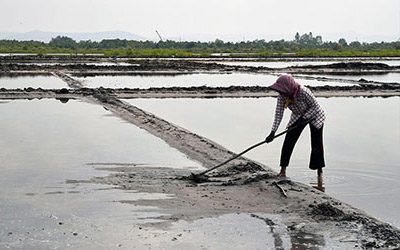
[(302, 45)]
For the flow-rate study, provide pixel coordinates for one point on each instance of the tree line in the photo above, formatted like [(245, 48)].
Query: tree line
[(305, 41)]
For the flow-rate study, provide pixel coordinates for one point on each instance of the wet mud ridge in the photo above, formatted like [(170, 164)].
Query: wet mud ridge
[(196, 147), (136, 66), (80, 66), (369, 89), (307, 218), (68, 79)]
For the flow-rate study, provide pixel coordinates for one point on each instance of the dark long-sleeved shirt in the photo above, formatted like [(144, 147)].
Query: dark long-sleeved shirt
[(305, 105)]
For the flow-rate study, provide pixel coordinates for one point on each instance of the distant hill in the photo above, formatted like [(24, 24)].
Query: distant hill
[(44, 36)]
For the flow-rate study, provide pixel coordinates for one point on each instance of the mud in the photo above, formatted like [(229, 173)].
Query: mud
[(351, 65), (304, 212), (329, 211), (138, 66)]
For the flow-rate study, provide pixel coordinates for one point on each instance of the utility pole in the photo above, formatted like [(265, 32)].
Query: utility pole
[(159, 36)]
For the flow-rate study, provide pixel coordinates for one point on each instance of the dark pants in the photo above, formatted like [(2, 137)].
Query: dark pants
[(317, 148)]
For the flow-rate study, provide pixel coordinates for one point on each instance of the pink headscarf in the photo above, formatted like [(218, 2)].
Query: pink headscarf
[(287, 86)]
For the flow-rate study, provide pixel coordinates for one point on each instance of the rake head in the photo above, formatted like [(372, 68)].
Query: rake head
[(198, 178)]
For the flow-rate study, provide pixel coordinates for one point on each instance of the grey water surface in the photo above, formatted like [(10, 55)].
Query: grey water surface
[(39, 81), (189, 80), (46, 148)]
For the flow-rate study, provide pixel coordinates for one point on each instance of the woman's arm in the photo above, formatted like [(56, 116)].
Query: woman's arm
[(312, 104), (280, 107)]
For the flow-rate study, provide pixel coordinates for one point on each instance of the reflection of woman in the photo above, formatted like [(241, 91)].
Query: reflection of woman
[(305, 109)]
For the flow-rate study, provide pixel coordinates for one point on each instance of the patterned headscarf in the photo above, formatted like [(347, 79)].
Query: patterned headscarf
[(287, 86)]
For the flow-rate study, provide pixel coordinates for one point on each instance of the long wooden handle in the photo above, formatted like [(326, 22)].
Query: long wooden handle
[(245, 151)]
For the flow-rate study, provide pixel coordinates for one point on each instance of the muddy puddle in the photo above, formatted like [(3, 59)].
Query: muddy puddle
[(240, 231), (39, 81), (187, 80), (361, 171), (47, 148)]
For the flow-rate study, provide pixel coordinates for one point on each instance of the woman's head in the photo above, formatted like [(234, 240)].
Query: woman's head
[(286, 86)]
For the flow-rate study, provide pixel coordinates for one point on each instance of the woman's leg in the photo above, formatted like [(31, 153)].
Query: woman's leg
[(320, 181), (317, 160), (288, 145)]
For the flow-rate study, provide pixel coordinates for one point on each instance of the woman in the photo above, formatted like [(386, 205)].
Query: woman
[(305, 109)]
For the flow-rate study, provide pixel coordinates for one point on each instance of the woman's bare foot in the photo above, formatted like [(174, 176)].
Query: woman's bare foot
[(282, 174), (320, 181)]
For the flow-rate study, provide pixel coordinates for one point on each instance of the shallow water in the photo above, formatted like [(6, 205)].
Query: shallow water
[(45, 145), (44, 82), (188, 80), (362, 138), (72, 63)]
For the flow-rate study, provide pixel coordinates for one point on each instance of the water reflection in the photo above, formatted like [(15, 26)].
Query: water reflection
[(63, 100)]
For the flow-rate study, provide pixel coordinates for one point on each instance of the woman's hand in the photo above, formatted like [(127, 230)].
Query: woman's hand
[(270, 137)]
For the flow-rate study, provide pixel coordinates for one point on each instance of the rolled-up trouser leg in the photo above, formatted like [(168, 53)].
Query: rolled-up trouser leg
[(288, 145), (317, 160)]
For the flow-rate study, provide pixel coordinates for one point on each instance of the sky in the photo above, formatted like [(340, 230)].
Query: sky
[(363, 20)]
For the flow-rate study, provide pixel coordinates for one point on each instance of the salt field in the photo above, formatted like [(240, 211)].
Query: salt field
[(357, 172), (84, 169), (122, 134)]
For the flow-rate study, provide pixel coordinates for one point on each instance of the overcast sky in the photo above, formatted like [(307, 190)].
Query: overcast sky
[(185, 19)]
